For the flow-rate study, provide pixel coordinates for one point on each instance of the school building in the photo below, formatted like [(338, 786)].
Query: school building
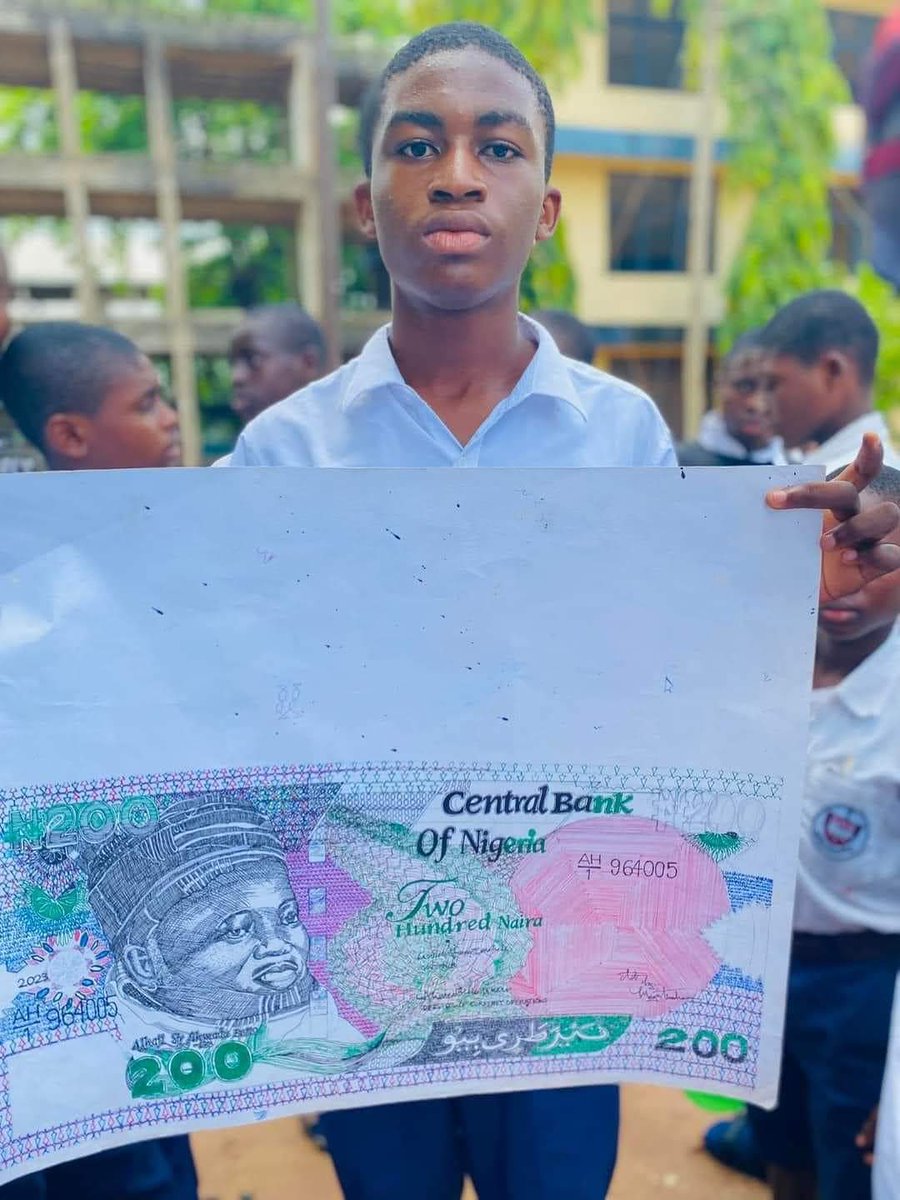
[(625, 146)]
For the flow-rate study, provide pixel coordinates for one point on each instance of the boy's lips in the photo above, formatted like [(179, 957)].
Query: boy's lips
[(456, 233), (838, 614)]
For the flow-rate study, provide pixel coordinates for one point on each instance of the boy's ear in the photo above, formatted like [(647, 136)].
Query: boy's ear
[(549, 215), (835, 364), (362, 196), (67, 435)]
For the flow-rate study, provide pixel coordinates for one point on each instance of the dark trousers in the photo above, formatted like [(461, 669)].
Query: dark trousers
[(840, 993), (558, 1144), (162, 1169)]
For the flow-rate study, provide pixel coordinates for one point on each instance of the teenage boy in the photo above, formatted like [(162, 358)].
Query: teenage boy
[(741, 430), (276, 350), (820, 370), (86, 398), (457, 144)]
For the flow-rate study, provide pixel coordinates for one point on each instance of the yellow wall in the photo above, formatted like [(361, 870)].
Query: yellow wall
[(589, 102)]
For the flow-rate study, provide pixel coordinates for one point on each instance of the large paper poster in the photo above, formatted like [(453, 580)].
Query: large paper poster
[(323, 788)]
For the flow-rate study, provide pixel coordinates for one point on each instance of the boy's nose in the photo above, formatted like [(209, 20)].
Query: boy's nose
[(457, 177)]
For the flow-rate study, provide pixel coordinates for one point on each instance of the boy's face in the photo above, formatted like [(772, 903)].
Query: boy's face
[(809, 399), (747, 406), (263, 371), (457, 196), (875, 606), (134, 426)]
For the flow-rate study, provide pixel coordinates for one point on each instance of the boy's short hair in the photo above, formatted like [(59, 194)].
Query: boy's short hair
[(456, 35), (886, 483), (59, 366), (811, 325), (747, 343), (297, 330)]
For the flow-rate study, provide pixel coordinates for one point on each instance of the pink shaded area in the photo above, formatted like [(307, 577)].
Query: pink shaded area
[(616, 943), (344, 899)]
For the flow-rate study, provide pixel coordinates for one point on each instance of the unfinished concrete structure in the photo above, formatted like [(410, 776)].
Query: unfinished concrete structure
[(105, 50)]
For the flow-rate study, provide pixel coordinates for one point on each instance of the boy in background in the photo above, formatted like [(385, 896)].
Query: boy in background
[(88, 398), (742, 429), (821, 351), (846, 948), (276, 350)]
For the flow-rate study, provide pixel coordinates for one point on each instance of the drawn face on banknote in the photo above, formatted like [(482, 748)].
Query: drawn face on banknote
[(200, 914), (241, 936)]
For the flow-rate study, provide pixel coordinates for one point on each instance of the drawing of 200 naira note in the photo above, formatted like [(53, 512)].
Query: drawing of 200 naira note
[(214, 947)]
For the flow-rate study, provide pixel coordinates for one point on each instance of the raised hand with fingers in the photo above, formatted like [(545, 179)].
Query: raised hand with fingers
[(856, 546)]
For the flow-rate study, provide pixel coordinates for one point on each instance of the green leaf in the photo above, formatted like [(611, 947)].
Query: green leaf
[(45, 905)]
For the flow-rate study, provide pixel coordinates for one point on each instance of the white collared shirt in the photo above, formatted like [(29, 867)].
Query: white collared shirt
[(561, 413), (840, 450), (849, 872), (713, 435)]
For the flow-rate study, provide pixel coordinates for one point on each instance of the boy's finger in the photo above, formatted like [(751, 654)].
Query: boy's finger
[(863, 528), (882, 559), (866, 465), (838, 496), (858, 476)]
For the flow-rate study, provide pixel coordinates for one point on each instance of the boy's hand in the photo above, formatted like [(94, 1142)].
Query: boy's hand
[(854, 550)]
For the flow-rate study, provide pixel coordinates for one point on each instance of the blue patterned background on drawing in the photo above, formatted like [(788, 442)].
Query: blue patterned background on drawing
[(731, 977), (747, 889)]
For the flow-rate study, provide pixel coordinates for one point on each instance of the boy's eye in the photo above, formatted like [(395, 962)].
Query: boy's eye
[(418, 148), (502, 151)]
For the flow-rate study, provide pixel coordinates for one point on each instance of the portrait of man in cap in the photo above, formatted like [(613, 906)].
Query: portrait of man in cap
[(204, 926)]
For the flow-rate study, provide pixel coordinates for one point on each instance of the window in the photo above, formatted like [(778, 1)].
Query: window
[(852, 36), (648, 217), (644, 50), (848, 226)]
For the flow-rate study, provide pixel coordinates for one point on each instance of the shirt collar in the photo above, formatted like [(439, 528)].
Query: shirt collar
[(866, 691), (548, 373), (841, 449), (714, 436)]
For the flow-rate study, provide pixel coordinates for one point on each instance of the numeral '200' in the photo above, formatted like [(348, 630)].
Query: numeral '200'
[(706, 1044), (187, 1069)]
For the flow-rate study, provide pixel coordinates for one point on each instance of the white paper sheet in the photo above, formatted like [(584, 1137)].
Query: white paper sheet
[(324, 788)]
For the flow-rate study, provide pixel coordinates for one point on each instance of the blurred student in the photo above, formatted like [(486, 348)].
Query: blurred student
[(741, 430), (572, 336), (846, 948), (88, 398), (821, 352), (277, 350)]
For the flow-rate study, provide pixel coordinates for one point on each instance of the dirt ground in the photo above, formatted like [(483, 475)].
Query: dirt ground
[(659, 1157)]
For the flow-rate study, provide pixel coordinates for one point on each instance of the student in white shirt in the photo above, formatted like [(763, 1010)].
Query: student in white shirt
[(458, 144), (822, 349), (846, 950)]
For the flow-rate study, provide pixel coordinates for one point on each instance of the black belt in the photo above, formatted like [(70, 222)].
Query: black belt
[(845, 947)]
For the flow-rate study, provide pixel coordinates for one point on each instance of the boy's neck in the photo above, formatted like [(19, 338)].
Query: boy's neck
[(857, 407), (835, 660), (462, 363)]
